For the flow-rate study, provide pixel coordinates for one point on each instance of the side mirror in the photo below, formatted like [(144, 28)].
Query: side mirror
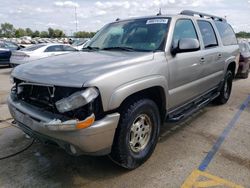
[(186, 45)]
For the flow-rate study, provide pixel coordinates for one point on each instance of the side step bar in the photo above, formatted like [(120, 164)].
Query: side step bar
[(191, 108)]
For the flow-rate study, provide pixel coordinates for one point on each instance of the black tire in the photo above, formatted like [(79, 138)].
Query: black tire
[(226, 89), (245, 75), (122, 153)]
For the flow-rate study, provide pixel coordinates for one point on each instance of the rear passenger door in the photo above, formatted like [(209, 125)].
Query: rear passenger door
[(213, 57)]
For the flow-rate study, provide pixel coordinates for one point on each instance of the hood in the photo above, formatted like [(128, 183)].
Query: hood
[(76, 68)]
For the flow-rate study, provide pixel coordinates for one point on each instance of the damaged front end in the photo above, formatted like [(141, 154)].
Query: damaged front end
[(72, 108)]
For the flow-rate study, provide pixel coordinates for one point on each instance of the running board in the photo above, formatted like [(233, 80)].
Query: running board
[(189, 109)]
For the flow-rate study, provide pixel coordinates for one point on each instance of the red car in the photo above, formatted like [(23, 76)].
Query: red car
[(244, 60)]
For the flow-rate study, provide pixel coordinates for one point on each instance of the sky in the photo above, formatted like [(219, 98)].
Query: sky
[(93, 14)]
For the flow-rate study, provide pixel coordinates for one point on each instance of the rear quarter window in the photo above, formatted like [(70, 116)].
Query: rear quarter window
[(226, 33)]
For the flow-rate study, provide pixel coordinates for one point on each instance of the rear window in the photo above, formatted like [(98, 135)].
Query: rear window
[(55, 48), (208, 34), (33, 47), (226, 33)]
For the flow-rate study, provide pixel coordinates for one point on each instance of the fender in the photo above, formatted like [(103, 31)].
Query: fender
[(125, 90)]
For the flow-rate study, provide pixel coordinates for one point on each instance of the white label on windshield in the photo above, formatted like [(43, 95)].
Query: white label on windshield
[(157, 21)]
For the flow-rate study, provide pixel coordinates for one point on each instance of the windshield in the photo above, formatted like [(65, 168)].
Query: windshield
[(139, 35)]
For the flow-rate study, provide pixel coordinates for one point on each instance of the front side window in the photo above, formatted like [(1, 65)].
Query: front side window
[(138, 35), (208, 34), (184, 28)]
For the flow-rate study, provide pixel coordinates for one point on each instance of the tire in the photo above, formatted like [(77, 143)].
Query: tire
[(245, 75), (226, 89), (133, 145)]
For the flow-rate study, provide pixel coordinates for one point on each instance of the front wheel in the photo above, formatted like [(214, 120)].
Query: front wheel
[(226, 89), (137, 133)]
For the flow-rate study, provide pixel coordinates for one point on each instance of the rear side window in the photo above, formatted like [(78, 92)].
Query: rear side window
[(184, 28), (208, 34), (55, 48), (226, 33)]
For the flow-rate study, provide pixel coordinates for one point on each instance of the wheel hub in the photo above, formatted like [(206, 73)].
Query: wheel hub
[(140, 132)]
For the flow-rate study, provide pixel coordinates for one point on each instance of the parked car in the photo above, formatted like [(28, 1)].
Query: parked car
[(6, 48), (39, 51), (80, 44), (244, 64), (112, 97)]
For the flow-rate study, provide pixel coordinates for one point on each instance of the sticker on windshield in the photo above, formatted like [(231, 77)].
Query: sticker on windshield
[(157, 21)]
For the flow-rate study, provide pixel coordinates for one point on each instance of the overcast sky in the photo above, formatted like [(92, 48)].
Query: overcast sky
[(93, 14)]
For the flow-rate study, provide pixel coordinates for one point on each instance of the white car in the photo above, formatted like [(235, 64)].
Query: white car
[(79, 44), (39, 51)]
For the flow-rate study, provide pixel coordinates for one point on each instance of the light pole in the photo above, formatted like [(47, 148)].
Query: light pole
[(76, 18)]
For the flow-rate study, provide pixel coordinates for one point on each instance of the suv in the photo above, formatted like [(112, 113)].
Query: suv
[(113, 97)]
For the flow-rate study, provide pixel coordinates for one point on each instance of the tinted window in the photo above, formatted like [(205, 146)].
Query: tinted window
[(11, 45), (208, 34), (55, 48), (226, 33), (184, 28), (68, 48), (33, 47)]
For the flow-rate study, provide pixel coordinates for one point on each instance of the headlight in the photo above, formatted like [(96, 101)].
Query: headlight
[(76, 100)]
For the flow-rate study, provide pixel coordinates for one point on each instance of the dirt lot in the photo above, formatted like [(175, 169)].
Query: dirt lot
[(215, 141)]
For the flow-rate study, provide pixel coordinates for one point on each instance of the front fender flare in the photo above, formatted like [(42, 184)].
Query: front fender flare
[(127, 89)]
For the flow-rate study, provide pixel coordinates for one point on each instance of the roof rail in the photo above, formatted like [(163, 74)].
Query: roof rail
[(202, 15)]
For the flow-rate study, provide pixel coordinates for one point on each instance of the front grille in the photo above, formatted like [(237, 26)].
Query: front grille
[(45, 97)]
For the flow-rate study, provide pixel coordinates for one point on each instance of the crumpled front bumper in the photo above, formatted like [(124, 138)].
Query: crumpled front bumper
[(94, 140)]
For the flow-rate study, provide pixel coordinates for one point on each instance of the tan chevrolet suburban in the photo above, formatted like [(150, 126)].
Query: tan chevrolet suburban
[(113, 96)]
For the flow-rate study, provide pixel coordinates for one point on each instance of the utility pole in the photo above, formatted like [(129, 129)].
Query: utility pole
[(76, 18)]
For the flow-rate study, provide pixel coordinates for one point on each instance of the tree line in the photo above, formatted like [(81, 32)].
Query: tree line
[(8, 30)]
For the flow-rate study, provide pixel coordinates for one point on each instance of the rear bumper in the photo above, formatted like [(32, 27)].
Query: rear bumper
[(94, 140)]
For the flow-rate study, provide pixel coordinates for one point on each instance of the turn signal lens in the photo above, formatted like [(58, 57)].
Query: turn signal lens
[(85, 123)]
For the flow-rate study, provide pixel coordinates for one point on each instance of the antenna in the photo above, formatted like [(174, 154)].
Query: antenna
[(159, 13)]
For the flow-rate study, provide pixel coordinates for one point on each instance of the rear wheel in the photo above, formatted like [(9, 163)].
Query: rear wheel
[(137, 134), (226, 89), (245, 75)]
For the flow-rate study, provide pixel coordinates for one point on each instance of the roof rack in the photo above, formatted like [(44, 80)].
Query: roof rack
[(202, 15)]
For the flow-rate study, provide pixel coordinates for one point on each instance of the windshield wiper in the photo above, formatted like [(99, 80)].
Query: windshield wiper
[(120, 48), (90, 48)]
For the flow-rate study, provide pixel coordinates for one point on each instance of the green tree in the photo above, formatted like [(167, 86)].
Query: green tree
[(58, 33), (243, 34), (44, 34), (84, 34), (29, 32), (51, 32), (36, 34), (7, 30), (20, 32)]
